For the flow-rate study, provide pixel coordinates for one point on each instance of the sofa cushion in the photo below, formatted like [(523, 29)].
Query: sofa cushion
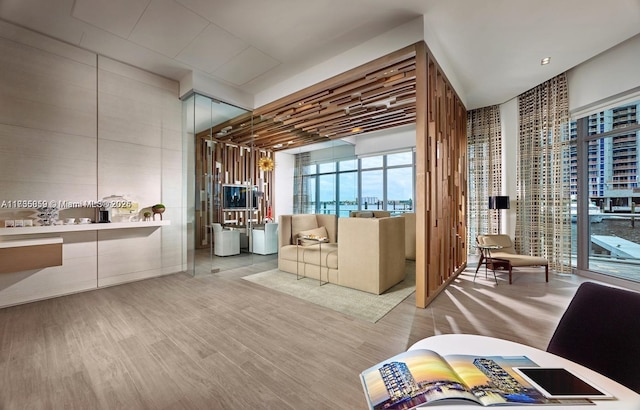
[(498, 239), (362, 215), (288, 252), (520, 260), (317, 233), (302, 222), (329, 258)]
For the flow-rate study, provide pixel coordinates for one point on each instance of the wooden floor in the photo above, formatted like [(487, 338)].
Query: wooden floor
[(215, 341)]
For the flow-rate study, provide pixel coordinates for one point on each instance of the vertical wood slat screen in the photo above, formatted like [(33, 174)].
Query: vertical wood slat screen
[(485, 170), (543, 223), (441, 180), (229, 164)]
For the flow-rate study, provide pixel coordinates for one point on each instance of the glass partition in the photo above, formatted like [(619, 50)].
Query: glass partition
[(218, 238)]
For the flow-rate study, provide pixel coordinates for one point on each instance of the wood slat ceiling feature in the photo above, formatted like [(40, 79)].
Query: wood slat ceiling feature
[(377, 95)]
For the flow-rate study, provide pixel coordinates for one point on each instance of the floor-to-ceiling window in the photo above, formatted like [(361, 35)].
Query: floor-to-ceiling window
[(380, 182), (605, 192)]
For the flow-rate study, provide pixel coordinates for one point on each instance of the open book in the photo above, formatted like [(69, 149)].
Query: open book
[(421, 377)]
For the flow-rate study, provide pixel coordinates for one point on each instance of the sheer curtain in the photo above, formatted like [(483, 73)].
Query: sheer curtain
[(543, 223), (485, 170)]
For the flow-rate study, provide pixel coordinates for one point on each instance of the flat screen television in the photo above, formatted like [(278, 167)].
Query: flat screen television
[(237, 197)]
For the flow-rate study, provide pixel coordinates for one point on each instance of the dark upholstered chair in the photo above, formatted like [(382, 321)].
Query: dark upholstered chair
[(601, 330)]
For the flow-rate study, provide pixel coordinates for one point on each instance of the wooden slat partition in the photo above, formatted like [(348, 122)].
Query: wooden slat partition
[(232, 163), (441, 181)]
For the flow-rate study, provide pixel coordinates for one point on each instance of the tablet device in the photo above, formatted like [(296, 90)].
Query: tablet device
[(558, 383)]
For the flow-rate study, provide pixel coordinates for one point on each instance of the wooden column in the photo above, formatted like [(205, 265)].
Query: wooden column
[(422, 177)]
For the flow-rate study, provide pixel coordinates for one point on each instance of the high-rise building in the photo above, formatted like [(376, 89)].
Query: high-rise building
[(398, 380), (613, 161)]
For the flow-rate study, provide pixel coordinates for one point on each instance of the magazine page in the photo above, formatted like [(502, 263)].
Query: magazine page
[(494, 382), (410, 379)]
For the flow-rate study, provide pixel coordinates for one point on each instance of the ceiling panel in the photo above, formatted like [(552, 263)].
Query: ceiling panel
[(198, 54), (167, 27), (49, 17), (125, 51), (246, 66), (118, 17)]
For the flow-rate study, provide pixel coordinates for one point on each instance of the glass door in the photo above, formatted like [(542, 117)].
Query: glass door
[(217, 237)]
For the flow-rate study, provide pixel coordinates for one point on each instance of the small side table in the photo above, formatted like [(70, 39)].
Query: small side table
[(486, 254), (319, 241)]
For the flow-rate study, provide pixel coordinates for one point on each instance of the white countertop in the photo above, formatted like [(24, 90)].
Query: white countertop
[(30, 230)]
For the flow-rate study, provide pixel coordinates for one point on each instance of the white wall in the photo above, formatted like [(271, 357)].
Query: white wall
[(283, 189), (78, 127), (393, 139), (610, 73), (441, 55), (210, 87)]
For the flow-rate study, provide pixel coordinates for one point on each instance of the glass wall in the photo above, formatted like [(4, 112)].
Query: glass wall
[(605, 193), (203, 194), (381, 182)]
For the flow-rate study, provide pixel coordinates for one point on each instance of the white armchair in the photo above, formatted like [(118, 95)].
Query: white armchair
[(225, 242), (265, 241)]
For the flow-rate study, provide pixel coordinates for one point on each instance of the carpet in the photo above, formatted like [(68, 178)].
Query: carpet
[(361, 305)]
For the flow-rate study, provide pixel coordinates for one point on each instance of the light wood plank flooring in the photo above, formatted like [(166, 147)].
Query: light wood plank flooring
[(218, 342)]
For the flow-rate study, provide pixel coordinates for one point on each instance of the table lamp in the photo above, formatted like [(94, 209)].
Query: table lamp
[(499, 202)]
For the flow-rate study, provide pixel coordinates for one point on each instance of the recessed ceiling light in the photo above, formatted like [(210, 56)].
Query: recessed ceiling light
[(545, 61)]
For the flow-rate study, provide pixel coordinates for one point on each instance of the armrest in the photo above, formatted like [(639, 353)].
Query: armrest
[(371, 254)]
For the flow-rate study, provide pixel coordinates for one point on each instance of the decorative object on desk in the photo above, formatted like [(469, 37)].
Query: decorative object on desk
[(103, 215), (269, 217), (147, 215), (47, 216), (121, 208), (351, 302), (9, 223), (158, 209), (18, 223), (266, 164), (28, 222), (499, 202), (85, 220)]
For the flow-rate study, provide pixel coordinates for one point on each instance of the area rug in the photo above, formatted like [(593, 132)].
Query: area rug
[(361, 305)]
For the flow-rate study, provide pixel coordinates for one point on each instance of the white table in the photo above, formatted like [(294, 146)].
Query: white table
[(625, 399)]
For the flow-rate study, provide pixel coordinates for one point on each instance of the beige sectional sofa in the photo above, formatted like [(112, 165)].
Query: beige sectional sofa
[(361, 253), (409, 228)]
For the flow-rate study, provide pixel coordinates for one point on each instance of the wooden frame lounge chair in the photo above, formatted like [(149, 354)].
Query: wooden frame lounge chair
[(506, 256)]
